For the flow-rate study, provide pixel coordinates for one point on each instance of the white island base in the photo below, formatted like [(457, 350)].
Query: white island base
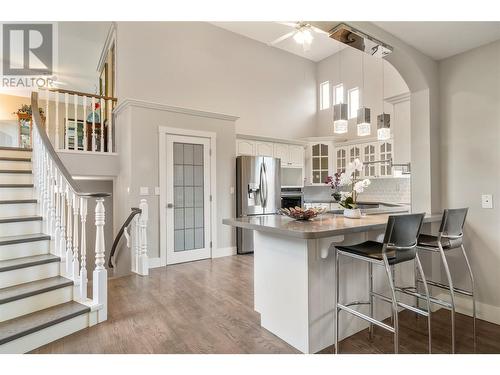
[(294, 287)]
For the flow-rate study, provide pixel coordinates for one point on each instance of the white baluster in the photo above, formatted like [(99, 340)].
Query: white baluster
[(75, 109), (52, 207), (110, 125), (66, 133), (93, 125), (46, 194), (85, 124), (57, 231), (58, 146), (101, 117), (47, 101), (143, 262), (100, 275), (76, 264), (62, 199), (83, 247), (69, 236)]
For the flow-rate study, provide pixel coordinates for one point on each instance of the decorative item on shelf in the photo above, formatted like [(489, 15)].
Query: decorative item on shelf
[(363, 120), (299, 213), (334, 182), (384, 119), (349, 198), (95, 115), (25, 122)]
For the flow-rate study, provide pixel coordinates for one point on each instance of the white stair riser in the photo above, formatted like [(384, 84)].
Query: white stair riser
[(24, 249), (15, 165), (25, 275), (20, 228), (15, 154), (35, 340), (18, 209), (16, 178), (34, 303), (16, 193)]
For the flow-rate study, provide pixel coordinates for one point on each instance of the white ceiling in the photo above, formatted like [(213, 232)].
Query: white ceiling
[(442, 39), (266, 32)]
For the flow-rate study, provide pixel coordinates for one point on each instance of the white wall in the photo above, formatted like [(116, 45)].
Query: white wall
[(470, 162), (198, 65), (346, 67)]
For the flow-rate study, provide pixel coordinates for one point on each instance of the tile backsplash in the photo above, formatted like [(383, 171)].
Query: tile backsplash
[(389, 190)]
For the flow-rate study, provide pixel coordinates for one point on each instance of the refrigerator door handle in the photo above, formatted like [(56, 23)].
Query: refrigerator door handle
[(264, 186)]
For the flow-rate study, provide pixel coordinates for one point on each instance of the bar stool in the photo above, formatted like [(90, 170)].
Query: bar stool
[(400, 241), (450, 237)]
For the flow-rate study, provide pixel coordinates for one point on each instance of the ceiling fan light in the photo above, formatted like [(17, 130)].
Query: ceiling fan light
[(363, 122)]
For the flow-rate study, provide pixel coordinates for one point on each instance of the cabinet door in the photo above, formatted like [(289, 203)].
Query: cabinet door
[(264, 149), (369, 154), (340, 159), (385, 152), (319, 158), (296, 155), (355, 153), (245, 147), (281, 151)]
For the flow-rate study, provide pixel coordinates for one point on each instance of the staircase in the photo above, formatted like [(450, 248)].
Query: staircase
[(43, 246)]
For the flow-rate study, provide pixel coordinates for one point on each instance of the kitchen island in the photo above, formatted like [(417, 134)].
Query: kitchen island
[(294, 274)]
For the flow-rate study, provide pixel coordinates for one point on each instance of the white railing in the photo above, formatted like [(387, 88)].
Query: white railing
[(64, 209), (81, 122)]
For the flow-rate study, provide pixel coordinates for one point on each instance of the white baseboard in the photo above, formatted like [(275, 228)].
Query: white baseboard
[(484, 311), (154, 262), (223, 252)]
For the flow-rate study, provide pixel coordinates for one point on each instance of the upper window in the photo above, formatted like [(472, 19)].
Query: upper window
[(324, 95), (338, 92), (353, 102)]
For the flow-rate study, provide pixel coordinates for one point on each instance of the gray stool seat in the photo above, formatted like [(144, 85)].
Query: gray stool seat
[(374, 250), (427, 240)]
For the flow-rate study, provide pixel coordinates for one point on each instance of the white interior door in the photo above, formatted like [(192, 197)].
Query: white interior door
[(188, 208)]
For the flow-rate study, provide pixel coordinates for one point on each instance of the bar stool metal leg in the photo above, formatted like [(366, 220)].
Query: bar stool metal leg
[(371, 298), (337, 310), (473, 295), (426, 288), (394, 304), (452, 295), (415, 273)]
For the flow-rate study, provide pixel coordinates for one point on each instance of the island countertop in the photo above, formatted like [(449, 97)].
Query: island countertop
[(326, 225)]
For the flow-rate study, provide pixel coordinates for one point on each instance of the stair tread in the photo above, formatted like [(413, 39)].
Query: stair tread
[(18, 201), (32, 288), (16, 171), (24, 325), (16, 185), (17, 219), (9, 158), (7, 148), (10, 240), (24, 262)]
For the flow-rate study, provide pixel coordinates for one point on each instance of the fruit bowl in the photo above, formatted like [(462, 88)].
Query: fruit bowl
[(299, 213)]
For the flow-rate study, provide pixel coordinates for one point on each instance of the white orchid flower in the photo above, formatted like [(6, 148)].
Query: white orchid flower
[(360, 186), (357, 165)]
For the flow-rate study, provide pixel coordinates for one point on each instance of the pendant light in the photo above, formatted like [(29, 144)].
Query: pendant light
[(363, 118), (340, 124), (383, 120)]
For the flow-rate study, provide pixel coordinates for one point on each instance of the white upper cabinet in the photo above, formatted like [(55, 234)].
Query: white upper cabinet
[(296, 156), (355, 152), (385, 153), (340, 159), (264, 148), (320, 160), (245, 147), (282, 151), (370, 154)]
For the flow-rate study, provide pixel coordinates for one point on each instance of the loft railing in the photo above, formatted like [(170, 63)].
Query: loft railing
[(137, 222), (63, 206), (82, 122)]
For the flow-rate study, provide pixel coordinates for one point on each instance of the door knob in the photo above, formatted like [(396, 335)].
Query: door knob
[(170, 205)]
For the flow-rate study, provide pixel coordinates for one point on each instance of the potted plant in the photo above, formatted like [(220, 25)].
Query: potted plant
[(334, 182), (349, 199)]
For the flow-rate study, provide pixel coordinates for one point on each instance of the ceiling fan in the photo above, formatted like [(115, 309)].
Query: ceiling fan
[(302, 33)]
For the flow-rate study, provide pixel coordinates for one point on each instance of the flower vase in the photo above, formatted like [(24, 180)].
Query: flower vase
[(352, 213)]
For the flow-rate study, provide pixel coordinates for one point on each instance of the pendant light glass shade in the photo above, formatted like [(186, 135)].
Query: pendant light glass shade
[(340, 124), (363, 122), (384, 127)]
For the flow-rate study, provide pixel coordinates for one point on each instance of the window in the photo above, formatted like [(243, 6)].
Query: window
[(324, 95), (353, 102), (338, 92)]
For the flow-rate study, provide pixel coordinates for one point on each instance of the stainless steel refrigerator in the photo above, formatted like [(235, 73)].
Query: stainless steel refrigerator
[(258, 188)]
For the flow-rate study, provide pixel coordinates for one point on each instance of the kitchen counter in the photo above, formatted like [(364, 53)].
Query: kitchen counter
[(294, 269), (326, 225)]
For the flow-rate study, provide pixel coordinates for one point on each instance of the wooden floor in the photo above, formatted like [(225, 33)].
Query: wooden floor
[(207, 307)]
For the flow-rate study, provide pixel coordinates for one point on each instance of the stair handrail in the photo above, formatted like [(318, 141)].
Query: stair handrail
[(37, 119), (134, 211)]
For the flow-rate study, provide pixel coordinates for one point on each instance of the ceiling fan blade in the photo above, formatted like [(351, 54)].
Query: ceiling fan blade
[(289, 24), (282, 38), (317, 30)]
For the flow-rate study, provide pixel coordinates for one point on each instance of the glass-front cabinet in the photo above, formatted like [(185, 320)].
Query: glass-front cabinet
[(320, 162), (385, 152)]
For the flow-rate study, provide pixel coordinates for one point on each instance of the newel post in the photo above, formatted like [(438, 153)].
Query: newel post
[(143, 266), (100, 275)]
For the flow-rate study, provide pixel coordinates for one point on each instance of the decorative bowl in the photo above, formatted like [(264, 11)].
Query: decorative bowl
[(299, 213)]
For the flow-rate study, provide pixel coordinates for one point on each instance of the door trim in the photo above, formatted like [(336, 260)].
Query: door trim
[(162, 163)]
